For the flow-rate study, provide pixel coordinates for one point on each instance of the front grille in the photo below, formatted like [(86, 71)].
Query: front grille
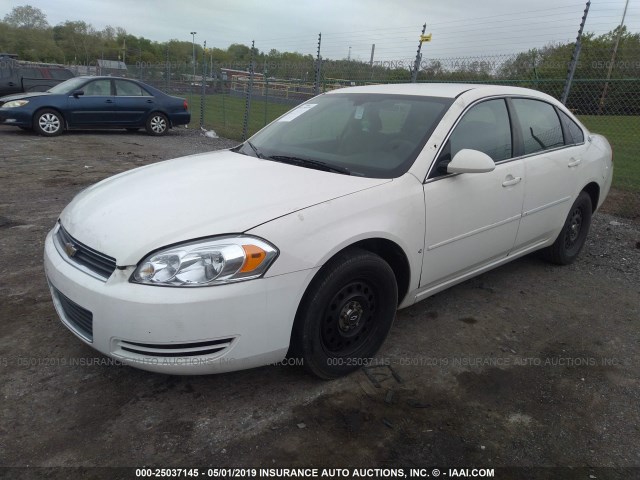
[(78, 253), (175, 349), (78, 318)]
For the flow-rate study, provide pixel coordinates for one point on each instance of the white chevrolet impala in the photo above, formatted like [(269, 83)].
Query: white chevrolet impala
[(308, 237)]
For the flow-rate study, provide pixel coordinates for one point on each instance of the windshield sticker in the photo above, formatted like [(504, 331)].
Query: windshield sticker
[(296, 112), (359, 112)]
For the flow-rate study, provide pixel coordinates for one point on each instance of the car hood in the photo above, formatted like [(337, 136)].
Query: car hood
[(21, 96), (133, 213)]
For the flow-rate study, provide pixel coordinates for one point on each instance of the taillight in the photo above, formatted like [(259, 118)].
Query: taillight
[(185, 105)]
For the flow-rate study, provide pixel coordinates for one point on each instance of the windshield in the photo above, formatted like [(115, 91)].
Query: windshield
[(372, 135), (68, 86)]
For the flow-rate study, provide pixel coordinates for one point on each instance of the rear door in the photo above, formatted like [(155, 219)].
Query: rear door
[(552, 161), (95, 107), (472, 218), (133, 103)]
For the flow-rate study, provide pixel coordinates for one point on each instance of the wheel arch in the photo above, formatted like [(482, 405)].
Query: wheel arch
[(157, 110), (56, 109), (593, 190), (388, 250)]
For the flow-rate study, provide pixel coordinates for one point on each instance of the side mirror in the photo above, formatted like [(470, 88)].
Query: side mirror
[(471, 161), (77, 93)]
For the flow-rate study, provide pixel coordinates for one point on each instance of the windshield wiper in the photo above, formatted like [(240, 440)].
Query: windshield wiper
[(305, 162), (255, 149)]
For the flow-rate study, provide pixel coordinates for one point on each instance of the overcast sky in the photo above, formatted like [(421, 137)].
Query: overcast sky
[(460, 27)]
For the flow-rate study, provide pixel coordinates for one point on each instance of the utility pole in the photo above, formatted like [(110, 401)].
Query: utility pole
[(574, 58), (613, 59), (416, 65), (349, 56)]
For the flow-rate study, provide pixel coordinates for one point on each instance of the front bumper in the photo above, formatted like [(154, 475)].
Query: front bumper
[(15, 117), (184, 331)]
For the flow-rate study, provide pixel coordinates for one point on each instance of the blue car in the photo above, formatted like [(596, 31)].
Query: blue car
[(95, 102)]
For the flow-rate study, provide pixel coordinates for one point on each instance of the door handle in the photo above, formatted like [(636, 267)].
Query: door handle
[(11, 84), (149, 101), (511, 180), (108, 101), (574, 162)]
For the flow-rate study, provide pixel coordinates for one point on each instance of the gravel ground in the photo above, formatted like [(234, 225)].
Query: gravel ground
[(529, 365)]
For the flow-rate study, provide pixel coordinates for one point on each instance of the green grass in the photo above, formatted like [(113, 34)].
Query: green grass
[(225, 114), (623, 133)]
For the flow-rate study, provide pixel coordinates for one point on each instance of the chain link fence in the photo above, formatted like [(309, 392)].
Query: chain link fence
[(237, 99)]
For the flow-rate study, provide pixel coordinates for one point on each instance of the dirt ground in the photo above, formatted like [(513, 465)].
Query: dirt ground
[(530, 365)]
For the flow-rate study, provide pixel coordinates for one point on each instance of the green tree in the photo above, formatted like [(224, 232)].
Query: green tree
[(27, 17)]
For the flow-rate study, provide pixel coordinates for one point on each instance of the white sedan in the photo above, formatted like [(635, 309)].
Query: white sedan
[(306, 239)]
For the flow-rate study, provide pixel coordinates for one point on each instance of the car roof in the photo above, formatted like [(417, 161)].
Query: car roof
[(445, 90)]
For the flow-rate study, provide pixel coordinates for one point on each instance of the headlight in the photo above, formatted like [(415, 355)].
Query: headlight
[(213, 261), (15, 103)]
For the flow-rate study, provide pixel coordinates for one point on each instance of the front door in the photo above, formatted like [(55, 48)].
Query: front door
[(472, 218), (95, 107)]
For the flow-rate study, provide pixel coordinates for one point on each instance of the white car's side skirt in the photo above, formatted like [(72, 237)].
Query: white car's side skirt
[(433, 289)]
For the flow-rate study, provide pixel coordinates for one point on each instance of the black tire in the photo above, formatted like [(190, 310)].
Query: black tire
[(157, 124), (345, 315), (48, 122), (574, 232)]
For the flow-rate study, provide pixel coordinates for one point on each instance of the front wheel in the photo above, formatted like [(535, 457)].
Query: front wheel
[(346, 314), (157, 124), (48, 122), (574, 232)]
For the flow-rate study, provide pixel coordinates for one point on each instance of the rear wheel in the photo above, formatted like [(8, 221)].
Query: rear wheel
[(574, 232), (157, 124), (48, 122), (345, 314)]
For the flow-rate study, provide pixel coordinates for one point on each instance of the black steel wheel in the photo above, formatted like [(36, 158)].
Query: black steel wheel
[(345, 314), (574, 232)]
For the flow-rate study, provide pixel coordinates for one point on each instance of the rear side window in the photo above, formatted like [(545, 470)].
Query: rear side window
[(539, 124), (129, 89), (574, 132)]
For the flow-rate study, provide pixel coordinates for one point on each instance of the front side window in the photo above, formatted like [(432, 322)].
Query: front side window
[(485, 127), (539, 125), (372, 135), (98, 88)]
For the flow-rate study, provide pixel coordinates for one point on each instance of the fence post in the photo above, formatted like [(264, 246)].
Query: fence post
[(203, 86), (416, 65), (613, 59), (248, 92), (167, 71), (316, 84), (574, 57)]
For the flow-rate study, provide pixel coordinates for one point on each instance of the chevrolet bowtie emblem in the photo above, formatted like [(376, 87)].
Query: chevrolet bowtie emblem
[(70, 249)]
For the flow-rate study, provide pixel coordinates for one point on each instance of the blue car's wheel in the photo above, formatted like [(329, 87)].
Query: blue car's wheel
[(48, 122), (157, 124)]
